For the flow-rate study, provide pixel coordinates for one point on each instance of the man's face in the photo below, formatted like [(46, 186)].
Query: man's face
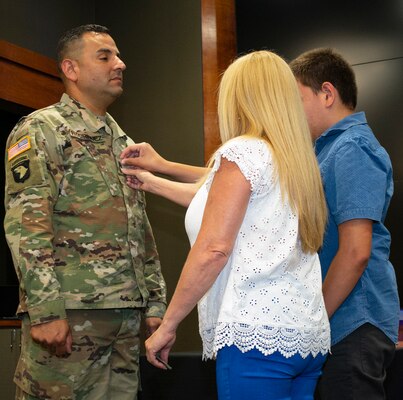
[(314, 109), (100, 70)]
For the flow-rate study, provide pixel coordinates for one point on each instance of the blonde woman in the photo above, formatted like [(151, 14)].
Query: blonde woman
[(255, 224)]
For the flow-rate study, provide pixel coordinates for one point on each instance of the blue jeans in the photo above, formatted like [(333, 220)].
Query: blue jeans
[(252, 375)]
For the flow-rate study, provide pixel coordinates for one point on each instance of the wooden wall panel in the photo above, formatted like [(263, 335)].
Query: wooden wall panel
[(27, 78), (219, 50)]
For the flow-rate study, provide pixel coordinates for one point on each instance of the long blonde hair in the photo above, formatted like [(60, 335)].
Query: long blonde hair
[(259, 97)]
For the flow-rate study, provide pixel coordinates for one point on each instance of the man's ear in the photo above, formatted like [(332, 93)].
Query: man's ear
[(329, 93), (70, 69)]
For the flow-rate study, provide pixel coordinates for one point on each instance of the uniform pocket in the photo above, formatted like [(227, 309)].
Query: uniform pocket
[(38, 373), (83, 186)]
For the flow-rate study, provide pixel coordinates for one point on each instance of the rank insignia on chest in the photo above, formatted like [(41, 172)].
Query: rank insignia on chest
[(21, 171), (21, 146)]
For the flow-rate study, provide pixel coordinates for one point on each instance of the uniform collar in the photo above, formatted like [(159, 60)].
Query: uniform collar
[(92, 122)]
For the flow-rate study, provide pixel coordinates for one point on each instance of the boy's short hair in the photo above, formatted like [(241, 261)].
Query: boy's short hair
[(314, 67)]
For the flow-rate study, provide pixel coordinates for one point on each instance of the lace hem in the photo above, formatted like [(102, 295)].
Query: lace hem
[(266, 339)]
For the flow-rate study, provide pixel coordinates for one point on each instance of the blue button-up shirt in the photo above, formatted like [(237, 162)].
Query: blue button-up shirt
[(357, 177)]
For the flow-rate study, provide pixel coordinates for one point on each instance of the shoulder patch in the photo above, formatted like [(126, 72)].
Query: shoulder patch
[(21, 146), (21, 169)]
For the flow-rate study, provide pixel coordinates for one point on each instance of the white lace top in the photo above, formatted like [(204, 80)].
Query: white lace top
[(268, 296)]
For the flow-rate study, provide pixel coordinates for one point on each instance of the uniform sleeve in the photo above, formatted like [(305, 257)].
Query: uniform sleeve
[(154, 279), (359, 179), (31, 190)]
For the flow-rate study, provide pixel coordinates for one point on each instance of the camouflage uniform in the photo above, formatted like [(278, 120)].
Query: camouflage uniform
[(79, 236)]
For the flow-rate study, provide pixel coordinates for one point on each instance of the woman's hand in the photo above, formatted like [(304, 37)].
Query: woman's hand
[(179, 193), (139, 179), (142, 155), (160, 344)]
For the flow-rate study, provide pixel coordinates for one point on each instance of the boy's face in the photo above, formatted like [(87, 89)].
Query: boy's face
[(314, 109)]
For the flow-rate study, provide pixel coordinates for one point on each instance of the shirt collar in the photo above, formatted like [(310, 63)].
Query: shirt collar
[(344, 124)]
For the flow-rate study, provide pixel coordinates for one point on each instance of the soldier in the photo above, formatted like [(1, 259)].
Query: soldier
[(81, 242)]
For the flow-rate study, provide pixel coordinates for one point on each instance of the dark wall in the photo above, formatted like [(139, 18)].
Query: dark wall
[(370, 36), (160, 42), (36, 25), (8, 278)]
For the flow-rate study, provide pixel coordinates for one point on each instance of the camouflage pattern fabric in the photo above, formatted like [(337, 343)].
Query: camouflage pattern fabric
[(104, 363), (79, 236)]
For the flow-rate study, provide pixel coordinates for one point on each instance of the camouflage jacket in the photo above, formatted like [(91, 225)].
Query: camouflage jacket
[(79, 236)]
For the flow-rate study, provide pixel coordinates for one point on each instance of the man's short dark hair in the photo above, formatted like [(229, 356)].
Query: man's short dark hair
[(75, 34), (314, 67)]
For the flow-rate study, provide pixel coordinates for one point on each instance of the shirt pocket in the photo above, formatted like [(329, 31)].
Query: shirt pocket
[(83, 185)]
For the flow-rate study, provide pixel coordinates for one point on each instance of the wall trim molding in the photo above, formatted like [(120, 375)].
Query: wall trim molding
[(27, 78)]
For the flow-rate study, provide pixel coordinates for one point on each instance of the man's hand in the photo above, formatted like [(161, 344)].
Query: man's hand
[(55, 336)]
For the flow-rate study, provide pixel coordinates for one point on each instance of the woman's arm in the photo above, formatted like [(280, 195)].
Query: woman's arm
[(225, 210), (178, 192), (143, 155)]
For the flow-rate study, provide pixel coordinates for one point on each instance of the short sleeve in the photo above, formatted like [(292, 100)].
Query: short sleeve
[(359, 181), (254, 160)]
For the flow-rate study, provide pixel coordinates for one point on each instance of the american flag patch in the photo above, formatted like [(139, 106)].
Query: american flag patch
[(22, 145)]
